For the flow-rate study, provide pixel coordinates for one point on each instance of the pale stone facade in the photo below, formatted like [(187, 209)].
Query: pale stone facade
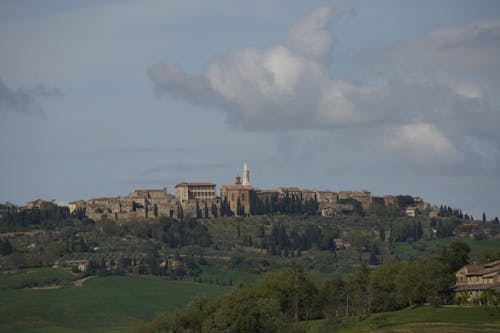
[(36, 204), (411, 211), (472, 280), (74, 205), (294, 192), (264, 195), (326, 197), (389, 200), (200, 191), (364, 197), (140, 204), (308, 195), (234, 193)]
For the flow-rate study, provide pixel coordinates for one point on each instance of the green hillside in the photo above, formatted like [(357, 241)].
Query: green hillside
[(101, 304), (416, 320)]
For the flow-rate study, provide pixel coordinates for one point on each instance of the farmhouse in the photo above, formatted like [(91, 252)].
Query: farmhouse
[(473, 280)]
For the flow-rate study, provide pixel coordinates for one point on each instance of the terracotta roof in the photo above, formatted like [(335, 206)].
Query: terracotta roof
[(493, 263), (491, 274), (37, 201), (477, 270), (473, 268)]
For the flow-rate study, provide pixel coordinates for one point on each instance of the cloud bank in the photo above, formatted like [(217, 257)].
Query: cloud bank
[(285, 86), (431, 98)]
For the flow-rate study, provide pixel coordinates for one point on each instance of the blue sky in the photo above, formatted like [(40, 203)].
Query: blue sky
[(100, 97)]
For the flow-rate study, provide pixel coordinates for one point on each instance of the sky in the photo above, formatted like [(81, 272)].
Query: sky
[(98, 98)]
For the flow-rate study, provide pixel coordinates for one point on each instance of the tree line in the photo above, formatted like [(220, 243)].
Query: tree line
[(286, 296)]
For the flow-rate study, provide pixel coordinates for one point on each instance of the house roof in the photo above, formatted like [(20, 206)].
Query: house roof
[(492, 264)]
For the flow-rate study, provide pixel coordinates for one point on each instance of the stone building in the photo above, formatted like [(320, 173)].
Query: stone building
[(378, 201), (364, 197), (326, 197), (194, 208), (140, 204), (294, 192), (411, 211), (263, 195), (200, 191), (421, 205), (308, 195), (472, 280), (236, 193), (153, 196), (78, 204), (36, 204), (389, 200)]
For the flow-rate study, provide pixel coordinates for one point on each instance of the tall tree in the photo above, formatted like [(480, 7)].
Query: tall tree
[(456, 255)]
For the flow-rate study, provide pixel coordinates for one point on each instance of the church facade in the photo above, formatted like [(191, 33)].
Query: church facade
[(241, 195)]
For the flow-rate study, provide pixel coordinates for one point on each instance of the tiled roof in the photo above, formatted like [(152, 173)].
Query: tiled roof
[(492, 264)]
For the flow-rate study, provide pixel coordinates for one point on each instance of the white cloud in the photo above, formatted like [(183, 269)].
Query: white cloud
[(310, 36), (431, 94), (284, 86), (420, 139)]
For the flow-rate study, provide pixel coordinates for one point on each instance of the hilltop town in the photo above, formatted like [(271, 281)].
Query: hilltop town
[(200, 199), (360, 244)]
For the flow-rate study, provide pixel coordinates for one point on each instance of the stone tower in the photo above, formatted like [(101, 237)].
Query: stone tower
[(246, 175)]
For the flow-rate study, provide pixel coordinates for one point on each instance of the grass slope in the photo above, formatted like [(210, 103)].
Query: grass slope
[(36, 277), (102, 304), (416, 320), (226, 276)]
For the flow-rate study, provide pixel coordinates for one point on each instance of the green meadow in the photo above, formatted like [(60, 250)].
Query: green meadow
[(435, 247), (424, 319), (101, 304)]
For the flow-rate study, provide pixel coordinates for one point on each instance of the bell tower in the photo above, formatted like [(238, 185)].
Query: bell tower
[(246, 175)]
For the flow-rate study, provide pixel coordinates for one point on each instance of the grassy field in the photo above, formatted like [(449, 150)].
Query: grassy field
[(413, 320), (435, 246), (226, 276), (102, 304), (37, 277)]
